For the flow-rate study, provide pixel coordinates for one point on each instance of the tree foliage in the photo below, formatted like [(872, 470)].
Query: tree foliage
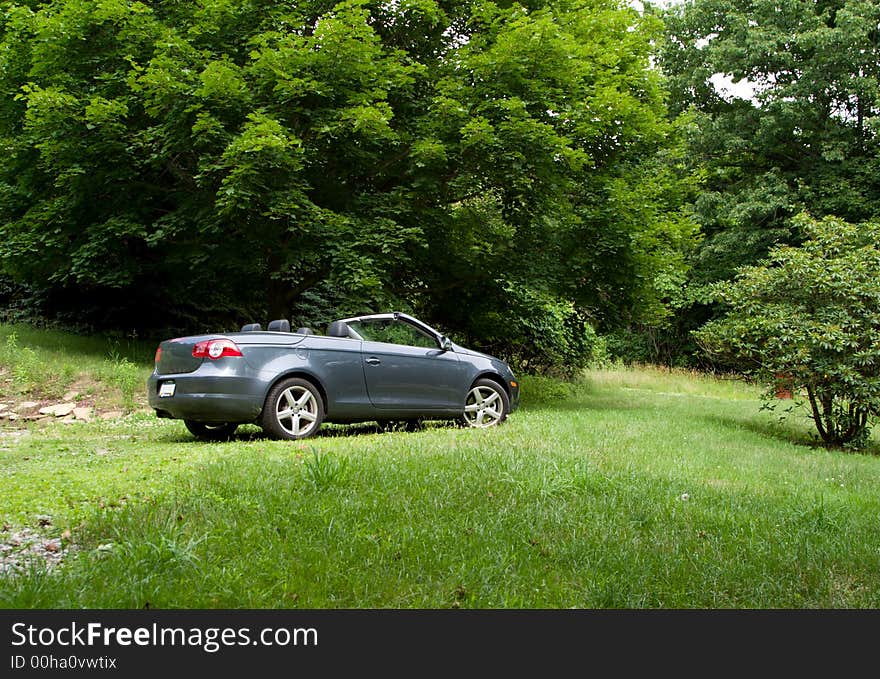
[(810, 318), (801, 136), (190, 163)]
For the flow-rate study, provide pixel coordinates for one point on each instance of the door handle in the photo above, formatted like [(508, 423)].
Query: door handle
[(372, 360)]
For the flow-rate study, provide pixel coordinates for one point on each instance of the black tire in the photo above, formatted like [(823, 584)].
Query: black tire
[(282, 398), (488, 392), (210, 431)]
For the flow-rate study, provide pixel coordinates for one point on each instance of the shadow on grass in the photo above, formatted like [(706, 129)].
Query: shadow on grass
[(598, 403), (248, 433), (785, 432)]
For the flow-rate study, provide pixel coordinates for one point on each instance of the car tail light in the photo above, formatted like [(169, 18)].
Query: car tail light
[(158, 354), (216, 348)]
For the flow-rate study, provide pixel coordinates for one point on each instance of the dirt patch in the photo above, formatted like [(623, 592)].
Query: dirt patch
[(92, 400), (26, 548)]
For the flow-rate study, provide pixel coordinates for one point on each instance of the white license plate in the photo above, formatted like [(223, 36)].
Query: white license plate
[(166, 389)]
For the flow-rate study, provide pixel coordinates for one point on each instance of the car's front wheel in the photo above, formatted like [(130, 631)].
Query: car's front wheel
[(293, 409), (486, 404), (207, 431)]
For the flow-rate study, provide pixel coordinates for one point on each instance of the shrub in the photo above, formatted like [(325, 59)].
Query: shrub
[(538, 333), (809, 319)]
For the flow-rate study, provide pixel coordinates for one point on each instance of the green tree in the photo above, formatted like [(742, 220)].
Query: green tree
[(810, 318), (806, 139), (191, 164)]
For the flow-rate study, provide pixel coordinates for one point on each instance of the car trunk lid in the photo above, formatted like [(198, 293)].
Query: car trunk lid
[(176, 356)]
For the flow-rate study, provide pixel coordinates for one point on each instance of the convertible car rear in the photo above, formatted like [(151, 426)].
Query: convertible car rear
[(382, 367)]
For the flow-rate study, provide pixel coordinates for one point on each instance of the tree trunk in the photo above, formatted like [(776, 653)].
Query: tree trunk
[(817, 415), (836, 430)]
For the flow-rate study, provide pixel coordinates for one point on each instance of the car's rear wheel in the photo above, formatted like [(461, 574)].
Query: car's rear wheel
[(293, 409), (486, 404), (211, 431)]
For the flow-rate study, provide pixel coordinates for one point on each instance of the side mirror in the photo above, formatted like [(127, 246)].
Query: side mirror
[(446, 344)]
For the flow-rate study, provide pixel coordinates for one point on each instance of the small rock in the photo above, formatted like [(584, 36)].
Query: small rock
[(70, 395), (84, 414), (112, 415), (69, 419), (12, 417), (66, 535), (58, 410), (52, 545), (3, 407), (64, 409), (27, 405)]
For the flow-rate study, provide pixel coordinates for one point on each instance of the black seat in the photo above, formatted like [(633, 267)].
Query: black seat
[(281, 325), (337, 329), (251, 327), (304, 331)]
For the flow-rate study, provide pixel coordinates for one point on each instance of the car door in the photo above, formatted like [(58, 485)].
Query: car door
[(405, 368)]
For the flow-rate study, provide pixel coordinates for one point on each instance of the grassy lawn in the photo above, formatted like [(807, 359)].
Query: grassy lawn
[(630, 489)]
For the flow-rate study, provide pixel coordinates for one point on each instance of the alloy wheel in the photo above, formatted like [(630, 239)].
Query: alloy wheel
[(297, 411), (483, 407)]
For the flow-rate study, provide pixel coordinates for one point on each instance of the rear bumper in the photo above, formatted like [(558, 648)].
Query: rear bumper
[(207, 398)]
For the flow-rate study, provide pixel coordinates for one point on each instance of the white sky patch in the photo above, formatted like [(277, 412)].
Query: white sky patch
[(703, 42), (722, 82), (728, 89)]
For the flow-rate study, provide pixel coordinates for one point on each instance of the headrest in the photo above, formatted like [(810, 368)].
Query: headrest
[(338, 329), (251, 327), (304, 331), (281, 325)]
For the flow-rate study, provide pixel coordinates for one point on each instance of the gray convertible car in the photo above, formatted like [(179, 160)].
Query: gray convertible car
[(391, 368)]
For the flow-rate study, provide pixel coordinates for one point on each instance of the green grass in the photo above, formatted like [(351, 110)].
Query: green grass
[(633, 488), (45, 364)]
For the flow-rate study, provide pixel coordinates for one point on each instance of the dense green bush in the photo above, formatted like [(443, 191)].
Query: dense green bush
[(809, 319), (537, 333)]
